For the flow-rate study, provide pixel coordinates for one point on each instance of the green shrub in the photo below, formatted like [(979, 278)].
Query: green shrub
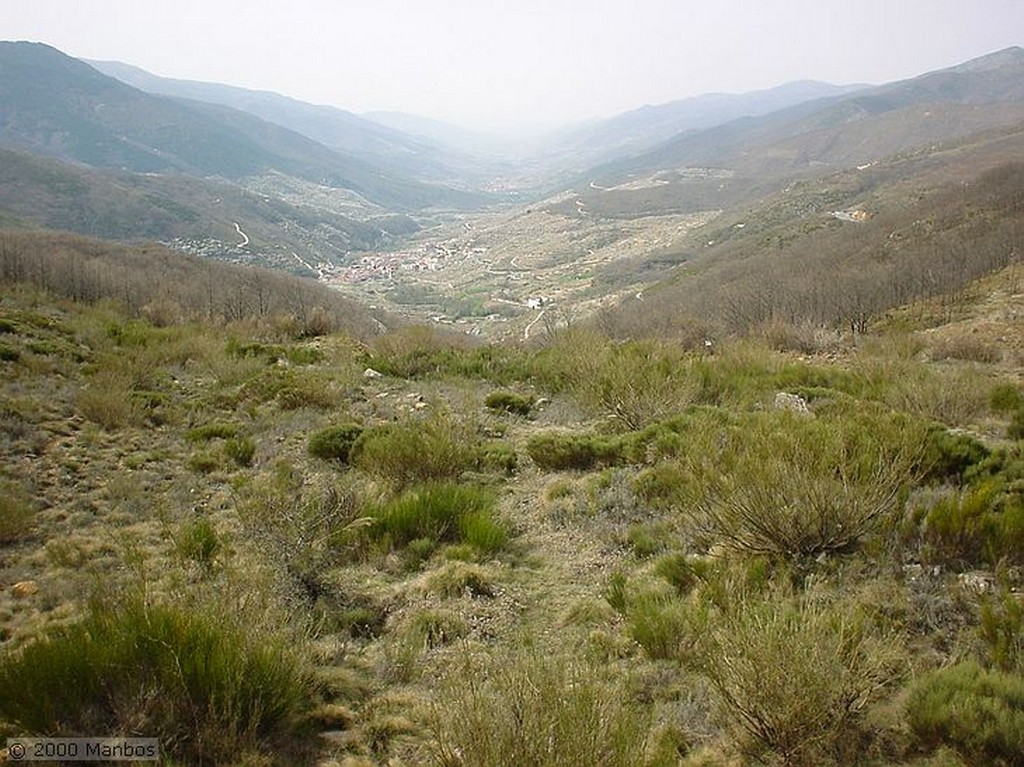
[(241, 450), (206, 688), (17, 511), (559, 451), (532, 709), (204, 462), (9, 354), (634, 383), (1005, 398), (499, 457), (794, 487), (441, 513), (981, 523), (434, 628), (977, 713), (681, 571), (407, 453), (1002, 628), (664, 626), (509, 402), (949, 455), (1015, 430), (306, 391), (211, 431), (335, 443), (794, 676), (649, 538), (455, 579), (616, 593), (198, 541)]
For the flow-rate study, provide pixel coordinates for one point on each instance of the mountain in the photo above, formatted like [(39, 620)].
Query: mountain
[(644, 128), (202, 216), (55, 105), (743, 160), (369, 140)]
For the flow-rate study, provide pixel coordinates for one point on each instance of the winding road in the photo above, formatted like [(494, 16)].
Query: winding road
[(243, 235)]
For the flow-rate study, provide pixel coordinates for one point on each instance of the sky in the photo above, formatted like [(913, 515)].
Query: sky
[(516, 64)]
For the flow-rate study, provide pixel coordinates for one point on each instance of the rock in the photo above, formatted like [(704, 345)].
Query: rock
[(420, 406), (794, 403), (23, 589), (371, 373)]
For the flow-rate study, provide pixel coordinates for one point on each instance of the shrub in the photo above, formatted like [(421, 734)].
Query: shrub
[(106, 400), (1002, 628), (458, 578), (981, 523), (664, 626), (649, 538), (949, 455), (441, 513), (204, 462), (300, 391), (198, 540), (204, 687), (335, 443), (433, 628), (681, 571), (794, 676), (300, 525), (558, 451), (1015, 429), (241, 450), (635, 383), (977, 713), (17, 512), (796, 488), (415, 451), (531, 709), (499, 457), (1005, 398), (509, 402)]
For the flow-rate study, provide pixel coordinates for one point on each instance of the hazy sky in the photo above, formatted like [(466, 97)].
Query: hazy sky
[(487, 63)]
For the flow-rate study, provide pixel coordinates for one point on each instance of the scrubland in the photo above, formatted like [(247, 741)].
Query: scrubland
[(223, 532)]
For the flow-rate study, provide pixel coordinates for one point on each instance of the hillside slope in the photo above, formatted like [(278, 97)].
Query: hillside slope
[(60, 107)]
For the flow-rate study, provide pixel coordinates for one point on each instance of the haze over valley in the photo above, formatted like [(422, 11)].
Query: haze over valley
[(430, 223)]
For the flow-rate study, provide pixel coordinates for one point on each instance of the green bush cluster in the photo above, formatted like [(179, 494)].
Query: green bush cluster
[(437, 513), (198, 540), (528, 709), (335, 442), (17, 511), (509, 402), (435, 448), (794, 676), (976, 712), (782, 485), (212, 431), (204, 687), (562, 451), (981, 522), (634, 383)]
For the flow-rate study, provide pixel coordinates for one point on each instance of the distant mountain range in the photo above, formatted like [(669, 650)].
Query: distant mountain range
[(60, 107), (394, 149), (110, 150), (742, 160)]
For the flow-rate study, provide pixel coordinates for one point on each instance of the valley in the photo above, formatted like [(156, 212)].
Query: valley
[(492, 274), (692, 437)]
